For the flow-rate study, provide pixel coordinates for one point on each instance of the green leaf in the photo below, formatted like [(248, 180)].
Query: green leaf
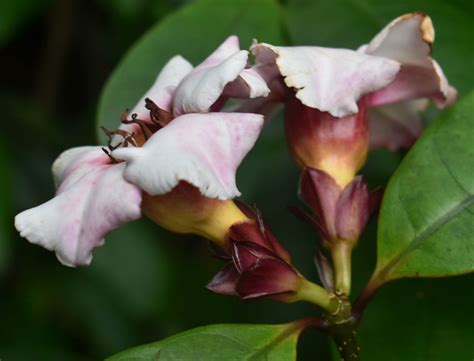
[(221, 342), (193, 31), (351, 23), (426, 225)]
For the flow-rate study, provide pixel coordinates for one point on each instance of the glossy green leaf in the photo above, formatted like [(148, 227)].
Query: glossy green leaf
[(426, 225), (221, 342), (351, 23), (193, 31)]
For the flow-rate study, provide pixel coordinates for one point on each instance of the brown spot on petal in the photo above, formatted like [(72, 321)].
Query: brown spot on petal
[(427, 30)]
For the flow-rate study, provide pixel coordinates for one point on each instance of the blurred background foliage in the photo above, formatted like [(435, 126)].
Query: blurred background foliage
[(146, 284)]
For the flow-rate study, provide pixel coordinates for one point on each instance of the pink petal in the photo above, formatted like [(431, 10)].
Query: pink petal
[(206, 83), (397, 125), (331, 80), (202, 149), (162, 90), (225, 280), (321, 193), (92, 200), (164, 86), (408, 40), (353, 210)]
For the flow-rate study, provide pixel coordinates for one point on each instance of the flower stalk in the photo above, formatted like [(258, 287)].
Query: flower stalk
[(342, 256)]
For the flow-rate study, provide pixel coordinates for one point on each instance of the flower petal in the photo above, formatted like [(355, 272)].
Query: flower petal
[(331, 80), (321, 193), (249, 84), (226, 69), (92, 199), (397, 125), (408, 40), (353, 210), (161, 93), (202, 149), (225, 280), (164, 86), (269, 277)]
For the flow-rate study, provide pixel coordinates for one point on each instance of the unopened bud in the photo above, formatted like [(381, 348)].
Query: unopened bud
[(342, 213)]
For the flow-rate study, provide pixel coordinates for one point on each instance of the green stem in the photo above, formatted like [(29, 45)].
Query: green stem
[(311, 292), (341, 253)]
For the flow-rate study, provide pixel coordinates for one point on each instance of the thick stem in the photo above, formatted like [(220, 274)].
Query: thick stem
[(342, 329), (346, 342), (341, 253), (310, 292)]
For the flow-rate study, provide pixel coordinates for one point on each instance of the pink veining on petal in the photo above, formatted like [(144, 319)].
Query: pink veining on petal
[(202, 149), (92, 200)]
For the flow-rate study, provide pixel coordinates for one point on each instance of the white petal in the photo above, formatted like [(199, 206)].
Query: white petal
[(331, 80), (161, 92), (249, 84), (92, 200), (224, 72), (204, 85), (408, 39), (164, 86), (202, 149)]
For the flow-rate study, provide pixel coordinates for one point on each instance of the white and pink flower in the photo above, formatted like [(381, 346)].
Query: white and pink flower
[(174, 139)]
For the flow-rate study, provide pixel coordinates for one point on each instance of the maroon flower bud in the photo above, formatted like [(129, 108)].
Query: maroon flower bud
[(257, 231), (336, 145), (342, 212), (256, 272), (353, 210)]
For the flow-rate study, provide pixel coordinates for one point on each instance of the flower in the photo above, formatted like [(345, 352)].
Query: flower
[(392, 77), (175, 160)]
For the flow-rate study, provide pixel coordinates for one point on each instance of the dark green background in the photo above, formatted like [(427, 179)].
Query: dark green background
[(146, 284)]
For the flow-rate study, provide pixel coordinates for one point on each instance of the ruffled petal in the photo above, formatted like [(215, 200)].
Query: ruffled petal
[(408, 40), (206, 83), (331, 80), (92, 200), (397, 125), (165, 84), (202, 149)]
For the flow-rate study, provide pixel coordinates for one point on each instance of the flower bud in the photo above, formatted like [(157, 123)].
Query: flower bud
[(341, 213), (256, 272), (336, 145), (186, 210), (256, 231)]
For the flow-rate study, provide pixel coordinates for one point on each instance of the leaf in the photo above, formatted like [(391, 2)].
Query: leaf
[(420, 320), (191, 33), (221, 342), (426, 224), (351, 23)]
